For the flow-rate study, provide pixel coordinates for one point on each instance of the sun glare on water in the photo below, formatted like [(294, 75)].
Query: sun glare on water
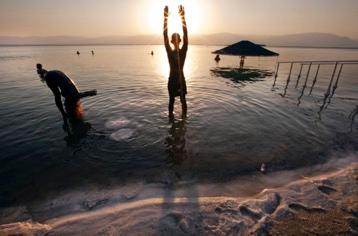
[(156, 16)]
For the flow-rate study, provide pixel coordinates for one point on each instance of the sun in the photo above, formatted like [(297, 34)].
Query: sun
[(155, 16)]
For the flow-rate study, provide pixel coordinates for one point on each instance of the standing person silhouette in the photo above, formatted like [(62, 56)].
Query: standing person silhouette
[(176, 58)]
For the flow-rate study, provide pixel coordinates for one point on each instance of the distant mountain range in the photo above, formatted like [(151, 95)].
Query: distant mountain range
[(292, 40)]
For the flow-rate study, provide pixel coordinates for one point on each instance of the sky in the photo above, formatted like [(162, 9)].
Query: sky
[(95, 18)]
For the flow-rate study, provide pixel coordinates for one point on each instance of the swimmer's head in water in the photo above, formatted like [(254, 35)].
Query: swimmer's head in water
[(176, 40)]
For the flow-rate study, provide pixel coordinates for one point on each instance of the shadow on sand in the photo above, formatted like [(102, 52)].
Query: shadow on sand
[(172, 220)]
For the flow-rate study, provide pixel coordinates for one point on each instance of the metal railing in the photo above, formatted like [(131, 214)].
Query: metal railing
[(310, 63), (332, 86)]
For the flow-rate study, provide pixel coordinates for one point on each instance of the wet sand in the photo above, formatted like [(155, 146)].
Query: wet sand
[(325, 204)]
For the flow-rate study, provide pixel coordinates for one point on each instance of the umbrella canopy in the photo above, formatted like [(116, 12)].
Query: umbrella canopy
[(246, 49)]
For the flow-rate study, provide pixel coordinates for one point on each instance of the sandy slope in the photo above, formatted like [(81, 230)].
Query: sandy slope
[(324, 205)]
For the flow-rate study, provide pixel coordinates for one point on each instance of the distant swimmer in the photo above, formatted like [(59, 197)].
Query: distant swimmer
[(176, 58), (61, 84), (78, 53), (217, 58), (92, 53)]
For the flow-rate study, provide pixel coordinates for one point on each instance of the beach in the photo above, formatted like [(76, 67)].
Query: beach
[(324, 204)]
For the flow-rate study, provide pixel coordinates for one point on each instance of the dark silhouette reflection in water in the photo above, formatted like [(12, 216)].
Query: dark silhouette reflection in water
[(177, 154), (175, 142), (335, 86), (328, 92), (76, 131), (241, 75), (352, 116)]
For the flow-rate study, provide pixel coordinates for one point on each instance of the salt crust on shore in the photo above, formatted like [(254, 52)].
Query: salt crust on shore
[(326, 204)]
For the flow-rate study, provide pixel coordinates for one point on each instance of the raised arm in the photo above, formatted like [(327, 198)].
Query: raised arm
[(185, 29), (165, 29)]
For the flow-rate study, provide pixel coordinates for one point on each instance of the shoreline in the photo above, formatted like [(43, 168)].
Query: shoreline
[(322, 203)]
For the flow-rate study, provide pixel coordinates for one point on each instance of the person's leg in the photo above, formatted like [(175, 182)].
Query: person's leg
[(183, 105), (171, 105), (78, 110), (87, 94), (73, 109)]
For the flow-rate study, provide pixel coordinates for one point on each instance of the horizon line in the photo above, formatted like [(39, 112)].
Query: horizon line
[(156, 34), (141, 44)]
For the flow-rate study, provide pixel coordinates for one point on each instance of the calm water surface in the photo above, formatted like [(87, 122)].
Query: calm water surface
[(232, 127)]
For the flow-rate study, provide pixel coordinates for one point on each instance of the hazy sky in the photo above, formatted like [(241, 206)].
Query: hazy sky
[(129, 17)]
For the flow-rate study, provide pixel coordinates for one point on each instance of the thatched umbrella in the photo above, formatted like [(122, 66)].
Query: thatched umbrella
[(246, 49)]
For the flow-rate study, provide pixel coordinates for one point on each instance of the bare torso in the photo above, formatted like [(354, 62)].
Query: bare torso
[(60, 80)]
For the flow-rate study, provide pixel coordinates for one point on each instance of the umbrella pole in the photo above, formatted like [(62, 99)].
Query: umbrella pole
[(242, 62)]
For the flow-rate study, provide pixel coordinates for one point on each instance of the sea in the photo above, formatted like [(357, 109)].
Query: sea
[(239, 123)]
